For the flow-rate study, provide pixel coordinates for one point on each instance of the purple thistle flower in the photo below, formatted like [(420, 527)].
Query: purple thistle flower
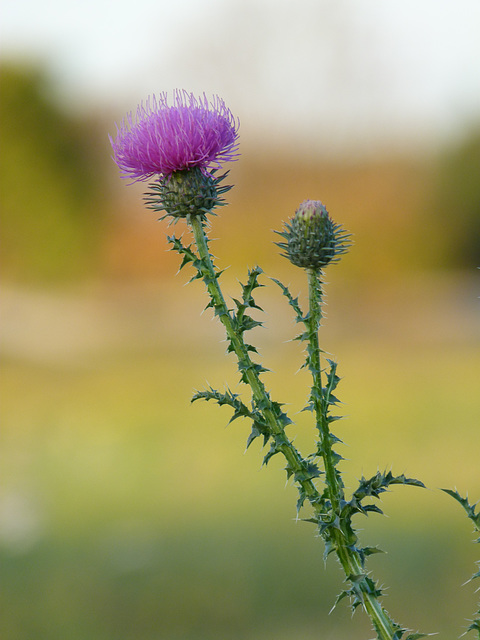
[(162, 139)]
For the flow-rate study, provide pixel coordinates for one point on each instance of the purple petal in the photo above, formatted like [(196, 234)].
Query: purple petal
[(162, 139)]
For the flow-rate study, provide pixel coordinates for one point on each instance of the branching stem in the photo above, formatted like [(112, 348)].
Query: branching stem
[(338, 534), (259, 393)]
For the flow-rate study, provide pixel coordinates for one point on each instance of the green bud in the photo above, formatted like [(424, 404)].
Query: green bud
[(313, 240), (185, 193)]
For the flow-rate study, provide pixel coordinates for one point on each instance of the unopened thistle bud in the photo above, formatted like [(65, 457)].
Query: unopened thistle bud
[(313, 240)]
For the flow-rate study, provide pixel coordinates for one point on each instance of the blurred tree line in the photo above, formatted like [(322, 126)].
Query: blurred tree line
[(55, 198), (456, 202), (51, 179)]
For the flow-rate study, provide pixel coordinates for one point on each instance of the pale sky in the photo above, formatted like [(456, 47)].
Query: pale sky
[(331, 72)]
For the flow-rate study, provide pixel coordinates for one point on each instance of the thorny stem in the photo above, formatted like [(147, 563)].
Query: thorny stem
[(259, 392), (320, 402), (348, 557)]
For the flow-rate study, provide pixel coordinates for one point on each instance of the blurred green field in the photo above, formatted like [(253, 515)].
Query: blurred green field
[(129, 513)]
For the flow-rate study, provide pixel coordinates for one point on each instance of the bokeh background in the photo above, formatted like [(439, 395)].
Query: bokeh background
[(126, 512)]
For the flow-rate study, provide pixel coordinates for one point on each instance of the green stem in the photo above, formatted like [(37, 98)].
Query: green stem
[(350, 559), (338, 535), (259, 393), (319, 401)]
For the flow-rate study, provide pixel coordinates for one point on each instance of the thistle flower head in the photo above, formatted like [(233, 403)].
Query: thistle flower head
[(161, 139), (313, 240)]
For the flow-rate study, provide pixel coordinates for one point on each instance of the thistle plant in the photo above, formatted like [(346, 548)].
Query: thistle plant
[(181, 147)]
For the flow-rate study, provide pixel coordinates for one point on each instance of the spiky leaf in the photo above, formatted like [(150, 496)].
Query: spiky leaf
[(293, 302)]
